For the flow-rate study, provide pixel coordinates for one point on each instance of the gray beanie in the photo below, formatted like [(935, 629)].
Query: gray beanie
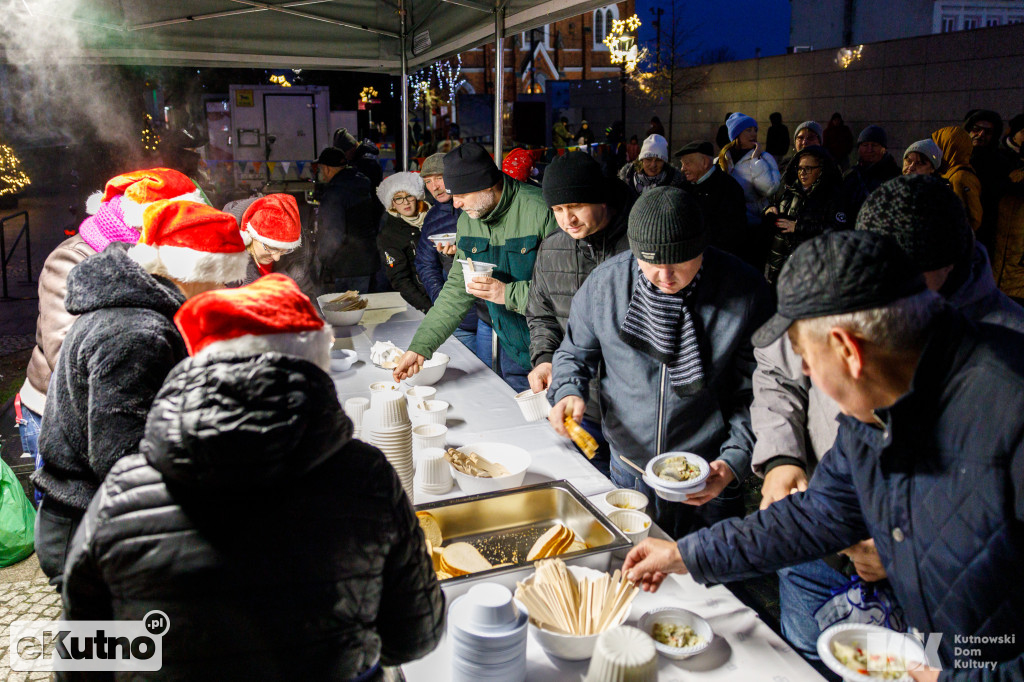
[(666, 226), (928, 149), (433, 165), (814, 126), (926, 218)]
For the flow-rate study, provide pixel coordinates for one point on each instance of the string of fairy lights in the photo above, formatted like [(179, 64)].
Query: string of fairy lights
[(12, 178), (448, 76)]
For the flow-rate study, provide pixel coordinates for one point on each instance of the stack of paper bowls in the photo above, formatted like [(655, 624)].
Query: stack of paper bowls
[(487, 630), (676, 491), (386, 426)]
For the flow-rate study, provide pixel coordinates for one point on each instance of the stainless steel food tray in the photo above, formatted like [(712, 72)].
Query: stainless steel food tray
[(504, 525)]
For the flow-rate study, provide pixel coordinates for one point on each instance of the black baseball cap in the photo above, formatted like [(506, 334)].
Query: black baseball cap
[(840, 272)]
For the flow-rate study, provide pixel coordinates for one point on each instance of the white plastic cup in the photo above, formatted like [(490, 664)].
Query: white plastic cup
[(427, 436), (634, 524), (436, 412), (477, 270), (627, 498), (534, 406), (433, 474), (623, 654), (383, 386), (391, 408), (355, 408), (417, 394)]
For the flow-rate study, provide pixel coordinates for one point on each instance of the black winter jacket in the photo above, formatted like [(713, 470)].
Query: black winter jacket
[(111, 365), (815, 211), (397, 243), (725, 211), (860, 181), (347, 223), (938, 484), (278, 547)]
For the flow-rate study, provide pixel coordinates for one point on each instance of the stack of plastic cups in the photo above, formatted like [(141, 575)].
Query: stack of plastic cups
[(355, 408), (388, 428), (623, 654), (433, 473), (487, 630)]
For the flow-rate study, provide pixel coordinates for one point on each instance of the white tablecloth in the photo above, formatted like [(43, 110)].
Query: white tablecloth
[(483, 409)]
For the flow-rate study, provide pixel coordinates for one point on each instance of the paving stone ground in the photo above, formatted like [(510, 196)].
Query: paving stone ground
[(25, 594)]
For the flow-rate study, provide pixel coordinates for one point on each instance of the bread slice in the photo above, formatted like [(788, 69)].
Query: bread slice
[(431, 528), (555, 541), (462, 558)]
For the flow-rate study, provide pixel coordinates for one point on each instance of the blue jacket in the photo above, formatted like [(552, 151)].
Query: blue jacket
[(731, 301), (433, 267), (938, 484)]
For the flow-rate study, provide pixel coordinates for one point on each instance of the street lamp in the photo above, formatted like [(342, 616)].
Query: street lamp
[(367, 97), (621, 43)]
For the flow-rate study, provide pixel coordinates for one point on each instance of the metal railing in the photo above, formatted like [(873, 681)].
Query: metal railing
[(5, 256)]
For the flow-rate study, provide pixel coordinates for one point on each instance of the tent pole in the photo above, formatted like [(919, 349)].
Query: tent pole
[(405, 90), (499, 79)]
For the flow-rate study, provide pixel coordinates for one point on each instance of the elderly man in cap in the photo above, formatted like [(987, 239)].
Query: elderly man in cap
[(502, 224), (347, 221), (668, 325), (592, 211), (719, 195), (942, 497), (795, 422)]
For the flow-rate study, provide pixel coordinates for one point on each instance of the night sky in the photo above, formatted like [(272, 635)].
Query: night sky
[(741, 25)]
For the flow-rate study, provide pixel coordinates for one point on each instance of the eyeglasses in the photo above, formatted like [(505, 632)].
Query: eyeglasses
[(982, 129), (407, 199), (806, 169)]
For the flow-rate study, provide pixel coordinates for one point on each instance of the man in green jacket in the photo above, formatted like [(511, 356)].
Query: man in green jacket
[(503, 222)]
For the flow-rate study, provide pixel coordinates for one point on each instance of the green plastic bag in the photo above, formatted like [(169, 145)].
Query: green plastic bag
[(17, 519)]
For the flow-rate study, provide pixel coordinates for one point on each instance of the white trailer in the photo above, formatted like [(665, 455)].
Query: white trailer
[(276, 132)]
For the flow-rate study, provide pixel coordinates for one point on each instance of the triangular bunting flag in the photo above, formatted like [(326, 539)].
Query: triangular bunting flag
[(256, 166), (271, 165), (299, 167), (285, 165)]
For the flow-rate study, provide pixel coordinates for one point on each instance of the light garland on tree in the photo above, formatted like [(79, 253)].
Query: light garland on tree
[(419, 83), (448, 77), (12, 178), (150, 139)]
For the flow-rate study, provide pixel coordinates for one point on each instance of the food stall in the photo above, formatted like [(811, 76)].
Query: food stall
[(482, 409)]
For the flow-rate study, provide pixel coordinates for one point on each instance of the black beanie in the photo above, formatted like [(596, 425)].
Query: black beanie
[(574, 178), (924, 216), (873, 134), (469, 168), (666, 226)]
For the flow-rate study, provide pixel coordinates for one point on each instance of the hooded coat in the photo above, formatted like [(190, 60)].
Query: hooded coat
[(956, 148), (278, 547), (111, 365), (816, 210)]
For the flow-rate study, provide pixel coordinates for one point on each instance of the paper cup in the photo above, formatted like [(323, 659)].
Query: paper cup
[(355, 408), (381, 386), (429, 436), (477, 270), (436, 412), (534, 406), (636, 525), (391, 408), (416, 394), (623, 654), (433, 473)]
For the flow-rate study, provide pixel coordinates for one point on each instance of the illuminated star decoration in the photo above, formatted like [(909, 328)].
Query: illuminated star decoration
[(280, 80), (621, 42), (368, 94)]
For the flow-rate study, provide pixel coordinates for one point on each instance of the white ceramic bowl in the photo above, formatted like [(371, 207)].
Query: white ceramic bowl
[(443, 239), (634, 524), (432, 371), (625, 498), (571, 647), (872, 639), (515, 459), (342, 359), (676, 616)]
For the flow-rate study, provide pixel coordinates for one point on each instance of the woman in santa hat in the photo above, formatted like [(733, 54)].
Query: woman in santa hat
[(402, 195), (270, 229)]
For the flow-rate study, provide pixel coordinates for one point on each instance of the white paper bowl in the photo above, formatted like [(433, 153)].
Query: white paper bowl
[(515, 459), (571, 647), (432, 371), (676, 491), (635, 525), (625, 498), (342, 360), (872, 639), (444, 239), (676, 616)]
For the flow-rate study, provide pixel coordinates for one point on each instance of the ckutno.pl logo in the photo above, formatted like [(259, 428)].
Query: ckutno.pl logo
[(88, 645)]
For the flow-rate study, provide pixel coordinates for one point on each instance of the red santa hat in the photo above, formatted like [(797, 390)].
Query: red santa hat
[(138, 189), (269, 315), (190, 242), (518, 164), (273, 220)]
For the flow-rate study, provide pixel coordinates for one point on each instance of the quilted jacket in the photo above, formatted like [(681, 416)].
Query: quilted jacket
[(942, 495), (278, 547)]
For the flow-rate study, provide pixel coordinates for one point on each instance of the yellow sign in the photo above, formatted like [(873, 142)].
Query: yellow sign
[(243, 98)]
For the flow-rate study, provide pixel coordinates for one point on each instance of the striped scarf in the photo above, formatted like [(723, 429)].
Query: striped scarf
[(643, 182), (662, 326)]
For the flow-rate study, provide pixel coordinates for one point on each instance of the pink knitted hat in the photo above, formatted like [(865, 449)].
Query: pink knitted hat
[(107, 225)]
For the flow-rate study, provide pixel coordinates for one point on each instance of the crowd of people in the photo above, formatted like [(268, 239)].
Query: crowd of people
[(844, 336)]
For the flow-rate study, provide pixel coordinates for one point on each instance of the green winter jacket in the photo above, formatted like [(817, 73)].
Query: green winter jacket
[(509, 237)]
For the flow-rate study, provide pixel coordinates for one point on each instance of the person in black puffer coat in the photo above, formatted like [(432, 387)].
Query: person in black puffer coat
[(279, 547), (809, 205)]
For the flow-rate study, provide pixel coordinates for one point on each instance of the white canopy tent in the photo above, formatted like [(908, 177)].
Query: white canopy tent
[(391, 36)]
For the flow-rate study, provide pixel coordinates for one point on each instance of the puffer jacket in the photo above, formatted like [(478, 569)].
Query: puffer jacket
[(862, 180), (642, 416), (816, 210), (278, 547), (563, 264), (758, 177), (942, 498), (433, 267), (54, 320), (956, 148), (111, 365), (795, 422), (673, 177), (397, 245), (509, 237)]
